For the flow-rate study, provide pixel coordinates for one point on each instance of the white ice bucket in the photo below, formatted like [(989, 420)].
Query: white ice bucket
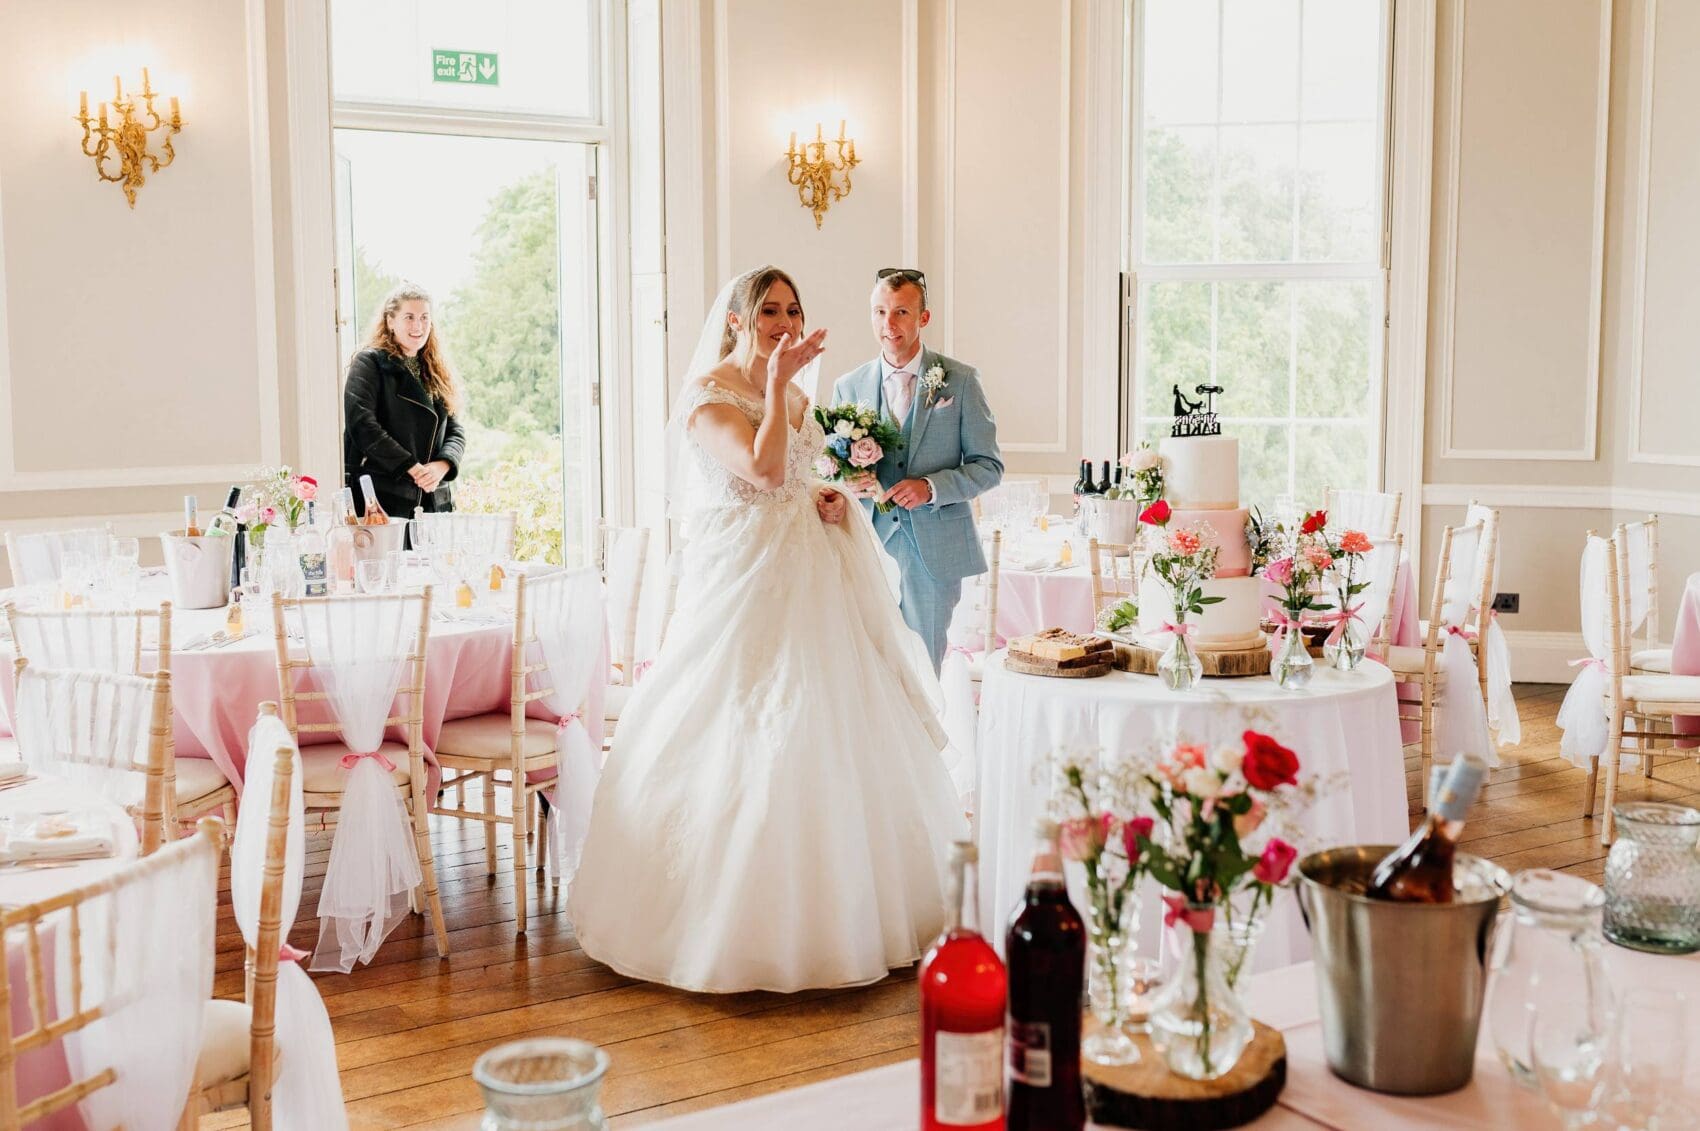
[(199, 568), (374, 543)]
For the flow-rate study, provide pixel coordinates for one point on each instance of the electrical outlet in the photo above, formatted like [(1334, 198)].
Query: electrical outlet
[(1505, 602)]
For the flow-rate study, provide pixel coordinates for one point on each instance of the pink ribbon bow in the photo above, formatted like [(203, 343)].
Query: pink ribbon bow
[(960, 650), (569, 719), (1181, 629), (1339, 620), (1458, 631), (1282, 623), (1199, 920), (287, 953), (1589, 662), (351, 759), (642, 669)]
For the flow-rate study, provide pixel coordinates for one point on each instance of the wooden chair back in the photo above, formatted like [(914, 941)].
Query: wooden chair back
[(1115, 574), (37, 559), (262, 957), (28, 930), (1486, 565), (1353, 505), (1381, 636), (83, 638), (467, 533), (989, 595), (94, 713)]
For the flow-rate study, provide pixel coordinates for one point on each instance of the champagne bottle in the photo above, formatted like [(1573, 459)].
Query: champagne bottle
[(190, 528), (963, 990), (375, 515), (1420, 870), (1046, 949)]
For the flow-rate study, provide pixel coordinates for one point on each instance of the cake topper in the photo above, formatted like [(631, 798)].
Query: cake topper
[(1196, 418)]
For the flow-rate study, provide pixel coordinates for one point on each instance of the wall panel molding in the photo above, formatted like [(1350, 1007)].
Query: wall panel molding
[(1540, 496)]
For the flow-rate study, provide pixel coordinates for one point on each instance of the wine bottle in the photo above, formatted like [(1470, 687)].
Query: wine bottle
[(190, 527), (310, 553), (1420, 870), (1104, 487), (224, 522), (962, 988), (339, 542), (374, 514), (1083, 484), (1046, 951)]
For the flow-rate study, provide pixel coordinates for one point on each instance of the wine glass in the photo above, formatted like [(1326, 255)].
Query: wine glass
[(1647, 1088), (1569, 1038), (373, 574)]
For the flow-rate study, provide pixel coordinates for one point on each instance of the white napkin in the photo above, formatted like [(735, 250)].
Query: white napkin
[(59, 836)]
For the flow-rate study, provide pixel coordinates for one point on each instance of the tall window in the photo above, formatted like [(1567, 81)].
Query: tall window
[(1257, 220), (469, 139)]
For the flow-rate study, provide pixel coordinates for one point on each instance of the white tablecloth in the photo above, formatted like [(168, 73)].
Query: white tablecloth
[(1344, 727), (889, 1098)]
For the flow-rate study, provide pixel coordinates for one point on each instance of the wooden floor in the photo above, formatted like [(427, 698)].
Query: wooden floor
[(409, 1026)]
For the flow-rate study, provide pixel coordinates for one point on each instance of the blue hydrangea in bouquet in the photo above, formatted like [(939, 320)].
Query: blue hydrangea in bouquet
[(857, 438)]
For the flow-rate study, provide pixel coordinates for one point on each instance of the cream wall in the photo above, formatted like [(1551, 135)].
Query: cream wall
[(966, 119), (1561, 379), (139, 349)]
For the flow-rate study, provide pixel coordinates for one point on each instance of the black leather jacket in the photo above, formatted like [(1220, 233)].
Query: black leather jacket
[(390, 423)]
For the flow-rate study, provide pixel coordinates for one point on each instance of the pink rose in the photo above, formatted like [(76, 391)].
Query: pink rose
[(826, 467), (246, 513), (267, 516), (1184, 542), (1083, 838), (1276, 861), (1318, 557), (1280, 571), (1354, 542), (1131, 832), (865, 452), (1246, 823), (306, 488)]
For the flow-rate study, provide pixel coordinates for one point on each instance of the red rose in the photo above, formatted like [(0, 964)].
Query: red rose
[(1131, 832), (1267, 763), (1157, 514), (1277, 858), (1314, 521)]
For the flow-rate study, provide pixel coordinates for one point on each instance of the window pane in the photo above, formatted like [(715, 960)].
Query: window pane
[(1179, 166), (1339, 192), (1330, 455), (1260, 60), (1253, 348), (546, 58), (1174, 338), (1255, 220), (1336, 329), (1180, 81), (1342, 59), (1263, 463)]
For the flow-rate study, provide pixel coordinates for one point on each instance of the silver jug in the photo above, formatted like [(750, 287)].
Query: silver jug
[(1399, 984)]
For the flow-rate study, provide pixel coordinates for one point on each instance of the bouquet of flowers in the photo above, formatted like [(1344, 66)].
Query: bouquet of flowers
[(1146, 465), (1212, 807), (1186, 557), (277, 495), (857, 438), (1346, 637), (1268, 539), (1300, 573)]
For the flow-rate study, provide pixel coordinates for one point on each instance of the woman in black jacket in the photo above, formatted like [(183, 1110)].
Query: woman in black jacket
[(399, 410)]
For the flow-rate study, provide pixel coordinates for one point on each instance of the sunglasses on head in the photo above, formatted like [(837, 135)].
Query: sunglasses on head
[(907, 274)]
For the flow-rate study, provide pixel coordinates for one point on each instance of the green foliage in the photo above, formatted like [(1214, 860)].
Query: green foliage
[(530, 485), (371, 284)]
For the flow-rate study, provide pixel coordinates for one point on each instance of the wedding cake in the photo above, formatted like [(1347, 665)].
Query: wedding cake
[(1201, 482)]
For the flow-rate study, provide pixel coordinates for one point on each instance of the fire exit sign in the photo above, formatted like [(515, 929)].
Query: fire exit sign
[(476, 67)]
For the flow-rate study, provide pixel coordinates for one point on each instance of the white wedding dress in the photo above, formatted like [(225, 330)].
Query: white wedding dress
[(775, 813)]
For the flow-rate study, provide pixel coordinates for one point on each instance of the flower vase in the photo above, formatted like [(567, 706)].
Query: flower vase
[(1243, 929), (1201, 1025), (1112, 935), (1179, 665), (1292, 666), (1346, 646)]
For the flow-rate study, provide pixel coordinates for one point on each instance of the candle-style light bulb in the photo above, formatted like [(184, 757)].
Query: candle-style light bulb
[(841, 129), (83, 105), (792, 148), (103, 115), (117, 90), (176, 120), (817, 134), (146, 88)]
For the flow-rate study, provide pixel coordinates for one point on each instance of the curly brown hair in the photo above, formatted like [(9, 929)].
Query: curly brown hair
[(435, 370)]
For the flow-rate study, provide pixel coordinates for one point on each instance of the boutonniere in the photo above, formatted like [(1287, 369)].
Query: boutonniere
[(932, 382)]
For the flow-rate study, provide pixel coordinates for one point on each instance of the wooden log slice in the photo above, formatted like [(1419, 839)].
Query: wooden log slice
[(1224, 665), (1030, 665), (1146, 1094)]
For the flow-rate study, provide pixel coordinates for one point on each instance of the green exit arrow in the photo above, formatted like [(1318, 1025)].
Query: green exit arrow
[(477, 68)]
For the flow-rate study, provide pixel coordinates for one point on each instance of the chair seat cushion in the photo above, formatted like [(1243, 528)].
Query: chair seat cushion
[(1651, 660), (1662, 688), (614, 698), (1405, 660), (322, 772), (224, 1042), (197, 778), (490, 737)]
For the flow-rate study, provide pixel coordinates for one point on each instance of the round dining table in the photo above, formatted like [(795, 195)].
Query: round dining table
[(1343, 727)]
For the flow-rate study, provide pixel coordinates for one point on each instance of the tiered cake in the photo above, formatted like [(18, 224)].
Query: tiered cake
[(1202, 485)]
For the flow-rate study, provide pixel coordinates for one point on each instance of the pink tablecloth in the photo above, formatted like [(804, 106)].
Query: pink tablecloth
[(1685, 646)]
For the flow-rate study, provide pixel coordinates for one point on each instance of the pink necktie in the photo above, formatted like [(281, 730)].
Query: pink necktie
[(902, 391)]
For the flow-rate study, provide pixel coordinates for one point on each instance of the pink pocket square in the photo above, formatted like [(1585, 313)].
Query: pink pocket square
[(946, 403)]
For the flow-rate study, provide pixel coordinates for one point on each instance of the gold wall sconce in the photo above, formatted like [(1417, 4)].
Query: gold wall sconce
[(820, 180), (126, 141)]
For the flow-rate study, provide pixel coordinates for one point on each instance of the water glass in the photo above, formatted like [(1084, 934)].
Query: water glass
[(373, 574), (1648, 1085), (1569, 1042)]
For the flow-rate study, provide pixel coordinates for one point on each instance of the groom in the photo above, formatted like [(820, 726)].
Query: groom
[(949, 455)]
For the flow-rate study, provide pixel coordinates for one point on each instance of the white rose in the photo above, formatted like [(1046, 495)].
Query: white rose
[(1144, 459), (858, 433), (1202, 782), (1227, 759), (843, 428)]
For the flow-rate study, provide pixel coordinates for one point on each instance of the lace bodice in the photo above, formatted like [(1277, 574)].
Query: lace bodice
[(711, 485)]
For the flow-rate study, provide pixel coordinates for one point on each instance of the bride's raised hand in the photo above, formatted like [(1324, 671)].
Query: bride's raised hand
[(789, 357)]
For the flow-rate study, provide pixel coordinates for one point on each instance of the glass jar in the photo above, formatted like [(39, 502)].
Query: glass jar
[(543, 1084), (1552, 946), (1653, 879)]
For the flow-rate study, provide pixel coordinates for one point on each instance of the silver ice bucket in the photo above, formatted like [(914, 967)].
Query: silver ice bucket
[(1399, 984)]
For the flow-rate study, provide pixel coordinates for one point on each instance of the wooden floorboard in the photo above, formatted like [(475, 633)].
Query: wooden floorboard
[(409, 1025)]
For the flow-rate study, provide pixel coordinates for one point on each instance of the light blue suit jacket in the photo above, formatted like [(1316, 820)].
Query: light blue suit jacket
[(953, 443)]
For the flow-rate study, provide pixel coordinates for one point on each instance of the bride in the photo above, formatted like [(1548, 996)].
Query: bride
[(775, 813)]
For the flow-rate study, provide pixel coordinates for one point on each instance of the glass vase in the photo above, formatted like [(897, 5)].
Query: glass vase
[(542, 1084), (1112, 935), (1179, 665), (1653, 879), (1201, 1025), (1244, 926), (1345, 647), (1292, 666)]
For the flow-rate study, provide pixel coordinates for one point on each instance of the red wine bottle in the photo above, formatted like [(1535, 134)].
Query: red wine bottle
[(962, 989), (1046, 951)]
